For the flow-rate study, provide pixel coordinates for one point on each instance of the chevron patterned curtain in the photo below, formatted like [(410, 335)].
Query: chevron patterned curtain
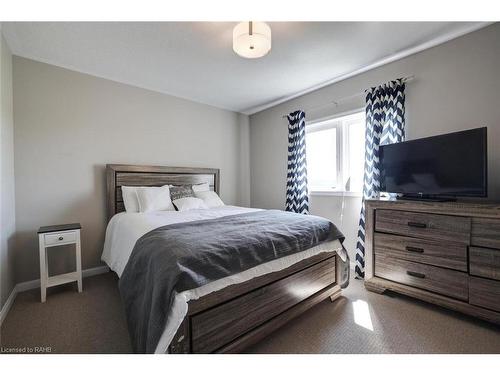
[(385, 124), (297, 199)]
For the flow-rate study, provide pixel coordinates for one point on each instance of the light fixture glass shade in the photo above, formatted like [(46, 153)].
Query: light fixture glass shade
[(252, 39)]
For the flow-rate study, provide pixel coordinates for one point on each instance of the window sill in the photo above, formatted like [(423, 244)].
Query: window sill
[(337, 193)]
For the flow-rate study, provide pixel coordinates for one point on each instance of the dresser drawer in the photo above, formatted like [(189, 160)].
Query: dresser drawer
[(435, 279), (449, 255), (485, 293), (484, 262), (222, 324), (485, 232), (423, 225), (60, 238)]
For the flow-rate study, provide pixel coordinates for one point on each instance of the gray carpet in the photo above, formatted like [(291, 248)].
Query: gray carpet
[(358, 322), (70, 322)]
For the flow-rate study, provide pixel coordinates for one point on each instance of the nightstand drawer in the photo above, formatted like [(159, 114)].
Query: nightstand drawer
[(60, 238), (423, 225), (435, 279), (449, 255)]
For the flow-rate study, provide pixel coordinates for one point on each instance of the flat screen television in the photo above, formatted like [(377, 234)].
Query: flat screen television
[(448, 165)]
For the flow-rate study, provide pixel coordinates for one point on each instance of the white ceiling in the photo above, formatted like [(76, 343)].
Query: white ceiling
[(194, 60)]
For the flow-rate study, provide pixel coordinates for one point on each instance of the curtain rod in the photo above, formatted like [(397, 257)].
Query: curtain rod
[(336, 101)]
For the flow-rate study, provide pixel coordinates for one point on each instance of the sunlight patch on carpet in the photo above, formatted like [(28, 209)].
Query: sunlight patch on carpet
[(362, 314)]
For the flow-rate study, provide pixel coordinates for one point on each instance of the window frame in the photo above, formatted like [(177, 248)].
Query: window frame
[(342, 139)]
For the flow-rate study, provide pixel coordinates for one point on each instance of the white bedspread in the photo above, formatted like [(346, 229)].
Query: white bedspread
[(124, 229)]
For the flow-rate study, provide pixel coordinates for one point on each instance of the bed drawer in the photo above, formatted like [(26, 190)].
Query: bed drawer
[(435, 279), (485, 293), (423, 225), (484, 262), (220, 325), (450, 255)]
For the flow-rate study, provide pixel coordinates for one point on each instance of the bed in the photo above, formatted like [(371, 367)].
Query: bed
[(228, 314)]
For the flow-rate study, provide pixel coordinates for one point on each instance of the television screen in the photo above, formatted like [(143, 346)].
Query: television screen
[(453, 164)]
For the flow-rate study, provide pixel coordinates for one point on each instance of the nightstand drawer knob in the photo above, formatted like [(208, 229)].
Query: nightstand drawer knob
[(61, 238)]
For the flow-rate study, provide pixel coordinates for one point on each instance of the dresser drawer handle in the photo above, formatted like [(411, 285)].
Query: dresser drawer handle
[(416, 274), (414, 249), (417, 225), (61, 238)]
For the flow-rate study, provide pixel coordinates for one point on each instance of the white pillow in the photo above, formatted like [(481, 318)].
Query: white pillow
[(155, 198), (129, 194), (210, 198), (201, 187), (189, 203)]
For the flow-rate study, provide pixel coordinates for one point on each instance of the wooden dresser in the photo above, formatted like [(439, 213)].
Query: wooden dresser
[(443, 253)]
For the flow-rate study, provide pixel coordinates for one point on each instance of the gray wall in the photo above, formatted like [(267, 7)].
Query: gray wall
[(7, 207), (244, 145), (455, 88), (69, 125)]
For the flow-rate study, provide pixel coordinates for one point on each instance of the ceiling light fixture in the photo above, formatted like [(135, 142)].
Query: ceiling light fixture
[(252, 39)]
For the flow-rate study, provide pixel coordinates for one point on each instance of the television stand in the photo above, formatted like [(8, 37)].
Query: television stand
[(442, 253), (426, 198)]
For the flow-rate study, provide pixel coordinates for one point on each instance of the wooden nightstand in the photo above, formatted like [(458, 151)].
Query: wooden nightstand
[(57, 235)]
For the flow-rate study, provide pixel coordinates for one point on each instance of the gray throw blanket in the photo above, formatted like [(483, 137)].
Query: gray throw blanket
[(184, 256)]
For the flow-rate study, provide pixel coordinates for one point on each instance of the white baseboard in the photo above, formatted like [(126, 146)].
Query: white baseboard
[(95, 271), (33, 284), (27, 285), (7, 305)]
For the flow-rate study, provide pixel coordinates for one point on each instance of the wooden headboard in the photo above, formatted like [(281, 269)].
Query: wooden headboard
[(118, 175)]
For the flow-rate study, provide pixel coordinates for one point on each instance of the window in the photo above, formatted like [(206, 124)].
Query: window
[(335, 154)]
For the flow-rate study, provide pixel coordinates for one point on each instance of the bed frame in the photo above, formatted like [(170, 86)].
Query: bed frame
[(231, 319)]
